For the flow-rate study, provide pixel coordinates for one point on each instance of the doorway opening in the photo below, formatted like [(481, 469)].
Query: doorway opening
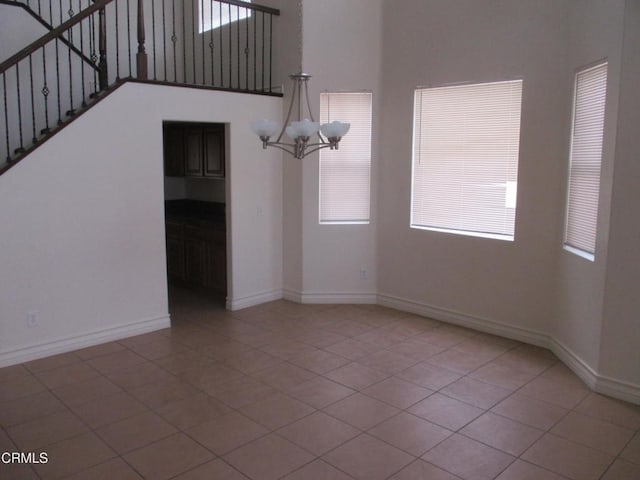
[(195, 213)]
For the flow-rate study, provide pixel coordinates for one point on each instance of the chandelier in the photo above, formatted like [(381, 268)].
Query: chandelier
[(302, 130)]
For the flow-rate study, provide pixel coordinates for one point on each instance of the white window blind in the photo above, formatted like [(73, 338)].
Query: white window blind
[(465, 158), (586, 158), (214, 14), (345, 174)]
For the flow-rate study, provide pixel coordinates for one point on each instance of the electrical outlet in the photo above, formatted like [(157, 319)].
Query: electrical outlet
[(32, 318), (364, 274)]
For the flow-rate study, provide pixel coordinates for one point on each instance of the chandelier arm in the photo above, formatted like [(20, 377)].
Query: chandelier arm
[(319, 146), (306, 96), (282, 146), (296, 86)]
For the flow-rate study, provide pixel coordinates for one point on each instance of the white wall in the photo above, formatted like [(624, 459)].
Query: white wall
[(288, 60), (595, 33), (620, 352), (465, 279), (346, 60), (18, 29), (82, 221)]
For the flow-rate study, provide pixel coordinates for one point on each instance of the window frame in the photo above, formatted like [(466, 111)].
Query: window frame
[(574, 248), (418, 129), (327, 152)]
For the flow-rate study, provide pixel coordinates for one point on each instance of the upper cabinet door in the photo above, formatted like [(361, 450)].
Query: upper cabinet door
[(193, 151), (173, 151), (213, 151)]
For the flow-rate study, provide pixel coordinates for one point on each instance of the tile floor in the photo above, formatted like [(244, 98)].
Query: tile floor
[(311, 392)]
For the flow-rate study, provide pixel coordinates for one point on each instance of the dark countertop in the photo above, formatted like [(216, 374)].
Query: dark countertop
[(196, 213)]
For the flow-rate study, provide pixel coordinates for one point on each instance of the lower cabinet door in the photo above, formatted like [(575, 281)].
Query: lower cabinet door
[(194, 253), (216, 267), (175, 258)]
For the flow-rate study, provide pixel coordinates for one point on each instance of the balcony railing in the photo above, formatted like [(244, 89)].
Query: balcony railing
[(91, 45)]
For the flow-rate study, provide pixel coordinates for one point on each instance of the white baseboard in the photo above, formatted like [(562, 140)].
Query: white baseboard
[(599, 383), (465, 320), (576, 364), (355, 298), (89, 339), (238, 303), (612, 387)]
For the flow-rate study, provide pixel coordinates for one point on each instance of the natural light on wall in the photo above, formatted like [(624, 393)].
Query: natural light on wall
[(585, 160), (466, 141), (214, 14), (345, 173)]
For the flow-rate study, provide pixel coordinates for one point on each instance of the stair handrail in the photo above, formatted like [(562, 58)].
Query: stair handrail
[(27, 8), (53, 34)]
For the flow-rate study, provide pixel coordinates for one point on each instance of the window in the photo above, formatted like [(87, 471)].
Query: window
[(214, 14), (345, 173), (465, 158), (585, 160)]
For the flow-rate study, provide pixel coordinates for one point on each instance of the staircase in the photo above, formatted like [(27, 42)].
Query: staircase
[(93, 46)]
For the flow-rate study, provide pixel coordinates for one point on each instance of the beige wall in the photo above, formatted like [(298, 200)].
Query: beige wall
[(342, 52), (620, 352), (475, 279), (530, 289), (595, 33)]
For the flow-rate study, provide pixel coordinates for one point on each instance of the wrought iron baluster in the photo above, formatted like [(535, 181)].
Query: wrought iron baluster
[(71, 110), (202, 31), (255, 52), (246, 52), (220, 47), (117, 2), (45, 91), (230, 46), (211, 44), (164, 40), (33, 103), (270, 50), (193, 42), (92, 52), (6, 115), (262, 69), (58, 95), (184, 48), (237, 25), (84, 97), (51, 12), (129, 36), (174, 39), (20, 149), (153, 36)]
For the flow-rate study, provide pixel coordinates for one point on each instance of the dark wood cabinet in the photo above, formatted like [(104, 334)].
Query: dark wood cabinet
[(213, 141), (197, 256), (194, 150), (216, 261), (175, 252), (173, 151)]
